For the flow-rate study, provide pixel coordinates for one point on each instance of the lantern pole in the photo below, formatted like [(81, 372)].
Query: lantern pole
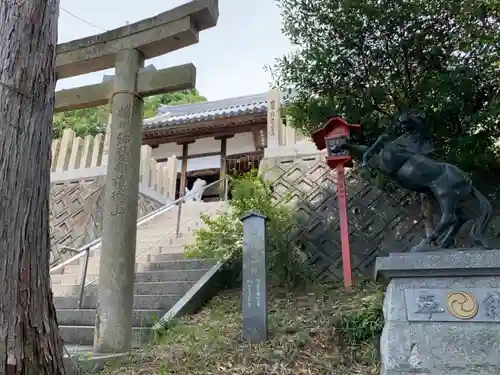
[(334, 133), (344, 227)]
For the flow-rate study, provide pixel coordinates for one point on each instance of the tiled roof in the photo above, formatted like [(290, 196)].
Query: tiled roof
[(197, 112)]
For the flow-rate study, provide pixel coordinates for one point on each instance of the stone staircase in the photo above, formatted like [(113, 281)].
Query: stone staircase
[(163, 276)]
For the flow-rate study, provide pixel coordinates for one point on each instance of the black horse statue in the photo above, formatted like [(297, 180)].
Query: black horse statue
[(406, 161)]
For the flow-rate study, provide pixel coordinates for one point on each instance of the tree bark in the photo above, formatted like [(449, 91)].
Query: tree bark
[(29, 337)]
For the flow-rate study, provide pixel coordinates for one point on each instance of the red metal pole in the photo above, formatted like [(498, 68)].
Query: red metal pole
[(344, 227)]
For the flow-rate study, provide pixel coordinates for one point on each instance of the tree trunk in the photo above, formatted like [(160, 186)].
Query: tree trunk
[(29, 337)]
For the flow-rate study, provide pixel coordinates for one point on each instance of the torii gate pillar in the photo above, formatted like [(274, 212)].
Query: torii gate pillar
[(116, 283)]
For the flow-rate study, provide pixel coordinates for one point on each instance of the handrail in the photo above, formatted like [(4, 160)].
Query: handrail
[(144, 251), (94, 244), (85, 250)]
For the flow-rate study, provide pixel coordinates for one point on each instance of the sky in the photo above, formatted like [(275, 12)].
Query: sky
[(229, 57)]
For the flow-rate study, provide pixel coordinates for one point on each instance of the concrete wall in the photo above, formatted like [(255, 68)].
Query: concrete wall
[(73, 156), (282, 139)]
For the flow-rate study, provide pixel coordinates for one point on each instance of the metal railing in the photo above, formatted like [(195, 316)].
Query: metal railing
[(85, 250)]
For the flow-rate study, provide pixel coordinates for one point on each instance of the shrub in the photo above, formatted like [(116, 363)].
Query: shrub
[(223, 236)]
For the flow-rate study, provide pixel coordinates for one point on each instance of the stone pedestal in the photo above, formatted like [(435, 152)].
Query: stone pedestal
[(442, 313)]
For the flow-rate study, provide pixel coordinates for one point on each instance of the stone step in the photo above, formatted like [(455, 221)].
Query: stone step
[(84, 335), (153, 250), (161, 256), (156, 228), (170, 223), (141, 318), (75, 270), (171, 226), (142, 302), (165, 256), (142, 288), (152, 240), (143, 253), (178, 265), (149, 276), (176, 248), (187, 264)]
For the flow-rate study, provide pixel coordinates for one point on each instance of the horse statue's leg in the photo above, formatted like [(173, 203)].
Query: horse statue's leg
[(478, 230), (448, 204), (373, 149), (449, 238)]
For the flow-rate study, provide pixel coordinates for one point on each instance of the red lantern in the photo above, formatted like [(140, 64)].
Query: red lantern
[(336, 132)]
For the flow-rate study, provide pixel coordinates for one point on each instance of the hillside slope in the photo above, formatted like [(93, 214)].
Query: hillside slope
[(321, 331)]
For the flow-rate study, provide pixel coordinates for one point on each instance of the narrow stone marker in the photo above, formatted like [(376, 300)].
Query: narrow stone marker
[(254, 304)]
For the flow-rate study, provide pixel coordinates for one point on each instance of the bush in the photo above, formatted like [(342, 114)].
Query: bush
[(223, 236)]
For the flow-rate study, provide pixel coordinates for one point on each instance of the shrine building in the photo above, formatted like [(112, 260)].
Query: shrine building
[(215, 138)]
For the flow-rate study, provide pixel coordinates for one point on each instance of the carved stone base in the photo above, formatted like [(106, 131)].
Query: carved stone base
[(442, 313)]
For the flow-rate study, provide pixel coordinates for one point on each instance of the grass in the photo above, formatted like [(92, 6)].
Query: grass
[(321, 331)]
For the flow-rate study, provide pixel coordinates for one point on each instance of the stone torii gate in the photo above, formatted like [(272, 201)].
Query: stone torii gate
[(126, 48)]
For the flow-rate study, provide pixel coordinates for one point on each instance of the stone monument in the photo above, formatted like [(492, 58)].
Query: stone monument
[(254, 302), (442, 313)]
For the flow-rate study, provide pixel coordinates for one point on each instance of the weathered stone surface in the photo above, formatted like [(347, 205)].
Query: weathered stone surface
[(76, 214), (155, 82), (254, 301), (444, 344), (463, 262), (118, 249), (155, 36)]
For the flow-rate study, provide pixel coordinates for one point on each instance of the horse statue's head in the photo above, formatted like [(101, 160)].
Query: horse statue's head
[(411, 122)]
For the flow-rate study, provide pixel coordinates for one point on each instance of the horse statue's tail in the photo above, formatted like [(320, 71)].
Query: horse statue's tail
[(478, 230)]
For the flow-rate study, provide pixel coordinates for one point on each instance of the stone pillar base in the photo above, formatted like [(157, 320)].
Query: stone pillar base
[(442, 313)]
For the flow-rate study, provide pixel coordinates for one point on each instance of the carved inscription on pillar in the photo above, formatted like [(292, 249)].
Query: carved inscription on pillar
[(121, 169), (272, 122), (121, 161)]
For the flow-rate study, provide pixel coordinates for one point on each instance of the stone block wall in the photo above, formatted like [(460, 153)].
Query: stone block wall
[(379, 222), (76, 211)]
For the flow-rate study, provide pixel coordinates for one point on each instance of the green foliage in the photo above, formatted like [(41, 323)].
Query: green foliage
[(152, 103), (88, 121), (368, 60), (223, 236), (364, 324), (91, 121)]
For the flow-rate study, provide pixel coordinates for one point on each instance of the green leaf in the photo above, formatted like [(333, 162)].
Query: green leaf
[(368, 60)]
